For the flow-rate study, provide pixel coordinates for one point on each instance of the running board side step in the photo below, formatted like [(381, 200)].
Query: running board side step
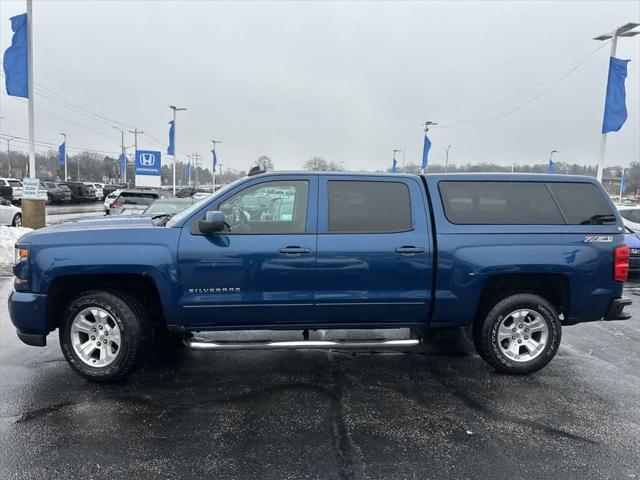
[(301, 344)]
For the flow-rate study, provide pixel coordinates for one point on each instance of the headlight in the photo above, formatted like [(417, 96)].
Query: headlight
[(22, 255)]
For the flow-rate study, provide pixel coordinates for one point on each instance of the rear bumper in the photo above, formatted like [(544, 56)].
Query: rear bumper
[(616, 309), (28, 312)]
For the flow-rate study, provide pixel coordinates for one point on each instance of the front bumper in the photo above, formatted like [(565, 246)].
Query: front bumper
[(28, 312), (616, 309)]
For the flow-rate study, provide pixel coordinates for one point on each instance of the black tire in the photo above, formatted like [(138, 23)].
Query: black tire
[(17, 220), (49, 200), (131, 319), (485, 334)]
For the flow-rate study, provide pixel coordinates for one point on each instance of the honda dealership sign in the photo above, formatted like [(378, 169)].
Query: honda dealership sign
[(148, 167)]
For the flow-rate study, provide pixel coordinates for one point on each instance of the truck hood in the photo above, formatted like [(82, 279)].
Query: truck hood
[(127, 222)]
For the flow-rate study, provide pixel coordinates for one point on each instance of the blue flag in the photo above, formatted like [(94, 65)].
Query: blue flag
[(62, 153), (15, 61), (615, 110), (623, 184), (551, 166), (187, 170), (214, 159), (123, 162), (394, 165), (170, 148), (425, 152)]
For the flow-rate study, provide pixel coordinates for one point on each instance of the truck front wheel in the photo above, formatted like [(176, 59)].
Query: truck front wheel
[(519, 335), (102, 334)]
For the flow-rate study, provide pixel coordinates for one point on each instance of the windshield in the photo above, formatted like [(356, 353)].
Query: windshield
[(183, 215), (15, 183)]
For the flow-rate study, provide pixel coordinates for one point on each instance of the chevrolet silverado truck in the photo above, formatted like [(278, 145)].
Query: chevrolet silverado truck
[(511, 258)]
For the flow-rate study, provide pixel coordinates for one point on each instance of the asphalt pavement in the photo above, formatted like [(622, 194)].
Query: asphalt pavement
[(432, 413)]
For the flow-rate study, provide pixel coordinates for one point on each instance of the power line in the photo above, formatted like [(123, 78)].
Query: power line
[(531, 100), (53, 145)]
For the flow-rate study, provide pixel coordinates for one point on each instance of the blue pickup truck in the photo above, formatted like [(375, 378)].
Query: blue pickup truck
[(511, 258)]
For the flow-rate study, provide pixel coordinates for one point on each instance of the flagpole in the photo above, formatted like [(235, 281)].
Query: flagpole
[(64, 135), (603, 138), (32, 146), (214, 160), (622, 181)]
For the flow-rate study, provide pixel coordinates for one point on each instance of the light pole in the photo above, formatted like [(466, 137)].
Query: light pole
[(122, 152), (395, 162), (64, 136), (175, 127), (214, 160), (8, 154), (623, 31), (427, 142), (446, 159)]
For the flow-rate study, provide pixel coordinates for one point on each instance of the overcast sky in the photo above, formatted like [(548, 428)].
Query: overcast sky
[(349, 81)]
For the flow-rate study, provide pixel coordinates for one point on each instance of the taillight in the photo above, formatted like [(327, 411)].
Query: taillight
[(621, 263), (117, 204)]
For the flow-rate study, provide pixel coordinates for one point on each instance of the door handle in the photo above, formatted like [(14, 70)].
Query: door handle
[(295, 250), (409, 250)]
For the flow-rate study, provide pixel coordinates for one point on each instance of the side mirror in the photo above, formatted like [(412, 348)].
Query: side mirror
[(213, 222)]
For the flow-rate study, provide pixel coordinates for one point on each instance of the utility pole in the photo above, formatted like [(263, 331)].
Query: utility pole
[(175, 150), (446, 159), (214, 160), (135, 132), (122, 152), (64, 136), (623, 31)]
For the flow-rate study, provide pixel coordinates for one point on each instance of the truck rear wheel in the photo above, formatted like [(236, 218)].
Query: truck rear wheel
[(519, 335), (102, 334)]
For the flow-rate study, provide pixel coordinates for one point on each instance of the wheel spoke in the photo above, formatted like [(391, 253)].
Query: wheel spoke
[(86, 349)]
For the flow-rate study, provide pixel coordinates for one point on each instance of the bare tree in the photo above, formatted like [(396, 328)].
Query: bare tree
[(319, 164), (265, 163)]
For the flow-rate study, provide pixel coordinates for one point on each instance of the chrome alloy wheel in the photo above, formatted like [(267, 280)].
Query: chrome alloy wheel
[(522, 335), (95, 337)]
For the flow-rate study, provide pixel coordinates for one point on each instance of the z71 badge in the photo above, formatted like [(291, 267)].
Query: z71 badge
[(598, 239)]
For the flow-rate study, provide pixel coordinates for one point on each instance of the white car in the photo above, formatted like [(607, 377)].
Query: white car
[(630, 216), (16, 187), (99, 189), (110, 199), (10, 214)]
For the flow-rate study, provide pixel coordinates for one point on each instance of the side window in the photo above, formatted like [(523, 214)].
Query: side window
[(278, 207), (499, 203), (373, 207)]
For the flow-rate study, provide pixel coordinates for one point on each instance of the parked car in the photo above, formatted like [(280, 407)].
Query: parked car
[(136, 200), (514, 258), (109, 188), (6, 192), (80, 192), (57, 192), (16, 188), (109, 199), (10, 214), (200, 195), (98, 190), (631, 216), (168, 206), (632, 239)]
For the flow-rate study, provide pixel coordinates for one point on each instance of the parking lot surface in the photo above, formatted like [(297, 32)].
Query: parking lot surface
[(432, 413)]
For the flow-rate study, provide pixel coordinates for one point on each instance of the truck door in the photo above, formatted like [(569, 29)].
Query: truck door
[(374, 251), (262, 270)]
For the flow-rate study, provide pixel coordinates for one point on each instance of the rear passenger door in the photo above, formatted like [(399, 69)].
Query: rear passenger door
[(374, 251)]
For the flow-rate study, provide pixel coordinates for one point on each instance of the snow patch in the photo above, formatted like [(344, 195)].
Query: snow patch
[(8, 238)]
